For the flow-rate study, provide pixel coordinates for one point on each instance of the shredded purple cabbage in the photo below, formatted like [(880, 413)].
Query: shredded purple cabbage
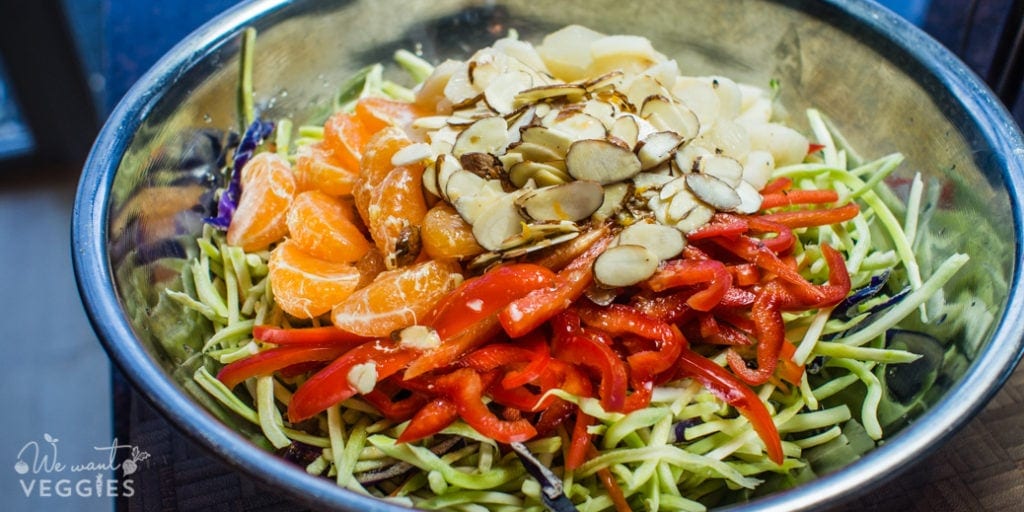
[(253, 137)]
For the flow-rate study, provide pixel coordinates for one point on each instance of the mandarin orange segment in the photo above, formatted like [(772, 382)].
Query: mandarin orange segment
[(319, 225), (268, 188), (375, 166), (396, 298), (377, 113), (305, 286), (345, 136), (446, 235), (395, 214), (316, 168)]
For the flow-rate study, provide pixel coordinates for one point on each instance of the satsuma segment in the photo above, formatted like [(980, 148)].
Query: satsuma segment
[(395, 215), (316, 168), (396, 298), (446, 235), (320, 226), (305, 286), (345, 136), (377, 113), (268, 188), (375, 166)]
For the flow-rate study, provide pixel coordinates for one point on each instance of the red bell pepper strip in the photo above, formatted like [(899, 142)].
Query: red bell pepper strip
[(537, 345), (327, 335), (727, 388), (769, 330), (530, 312), (578, 442), (782, 241), (434, 417), (720, 225), (272, 360), (788, 370), (572, 345), (683, 272), (531, 361), (395, 410), (669, 308), (799, 196), (331, 385), (465, 388), (616, 319), (611, 485), (809, 218), (744, 274), (467, 317), (777, 185)]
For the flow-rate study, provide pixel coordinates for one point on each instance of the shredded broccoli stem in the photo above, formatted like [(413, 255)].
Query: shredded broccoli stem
[(245, 84)]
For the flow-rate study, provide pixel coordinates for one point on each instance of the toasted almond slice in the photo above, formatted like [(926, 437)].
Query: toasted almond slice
[(487, 66), (625, 129), (412, 154), (579, 125), (488, 135), (680, 205), (443, 139), (724, 168), (463, 183), (537, 245), (651, 181), (444, 167), (518, 120), (501, 92), (758, 168), (665, 72), (572, 201), (573, 92), (430, 123), (695, 218), (641, 88), (713, 191), (666, 115), (511, 158), (750, 198), (601, 110), (498, 223), (688, 159), (520, 174), (601, 161), (535, 152), (470, 206), (614, 196), (610, 80), (664, 241), (657, 148), (430, 180), (534, 232), (553, 139), (673, 187), (624, 265), (459, 90)]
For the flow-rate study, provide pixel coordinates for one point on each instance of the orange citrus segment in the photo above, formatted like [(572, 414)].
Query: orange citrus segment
[(396, 298), (307, 287), (316, 168), (396, 213), (375, 166), (268, 188), (377, 113), (345, 136), (446, 235), (319, 225)]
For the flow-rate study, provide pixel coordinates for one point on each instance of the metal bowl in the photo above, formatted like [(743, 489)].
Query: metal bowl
[(887, 86)]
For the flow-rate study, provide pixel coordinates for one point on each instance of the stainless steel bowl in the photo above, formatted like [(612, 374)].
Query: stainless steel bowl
[(886, 85)]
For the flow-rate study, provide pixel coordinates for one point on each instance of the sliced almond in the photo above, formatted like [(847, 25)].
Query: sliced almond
[(430, 93), (412, 154), (601, 161), (542, 174), (430, 123), (500, 93), (601, 110), (624, 265), (666, 115), (442, 140), (572, 92), (698, 216), (680, 205), (579, 125), (536, 153), (518, 120), (641, 88), (664, 241), (573, 201), (651, 180), (750, 198), (498, 223), (657, 148), (445, 166), (471, 206), (551, 138), (462, 183), (614, 196), (724, 168), (713, 191), (677, 185), (625, 129), (610, 80), (538, 244), (488, 135), (459, 90), (689, 159), (430, 180)]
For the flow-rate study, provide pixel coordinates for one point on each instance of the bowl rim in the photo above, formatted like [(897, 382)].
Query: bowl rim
[(94, 277)]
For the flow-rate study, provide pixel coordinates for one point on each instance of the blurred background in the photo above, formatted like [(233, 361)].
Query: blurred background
[(64, 64)]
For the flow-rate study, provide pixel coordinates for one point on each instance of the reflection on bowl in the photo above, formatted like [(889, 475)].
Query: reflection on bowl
[(885, 85)]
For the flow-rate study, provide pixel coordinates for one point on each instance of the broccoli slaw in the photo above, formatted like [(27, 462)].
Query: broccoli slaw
[(687, 449)]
